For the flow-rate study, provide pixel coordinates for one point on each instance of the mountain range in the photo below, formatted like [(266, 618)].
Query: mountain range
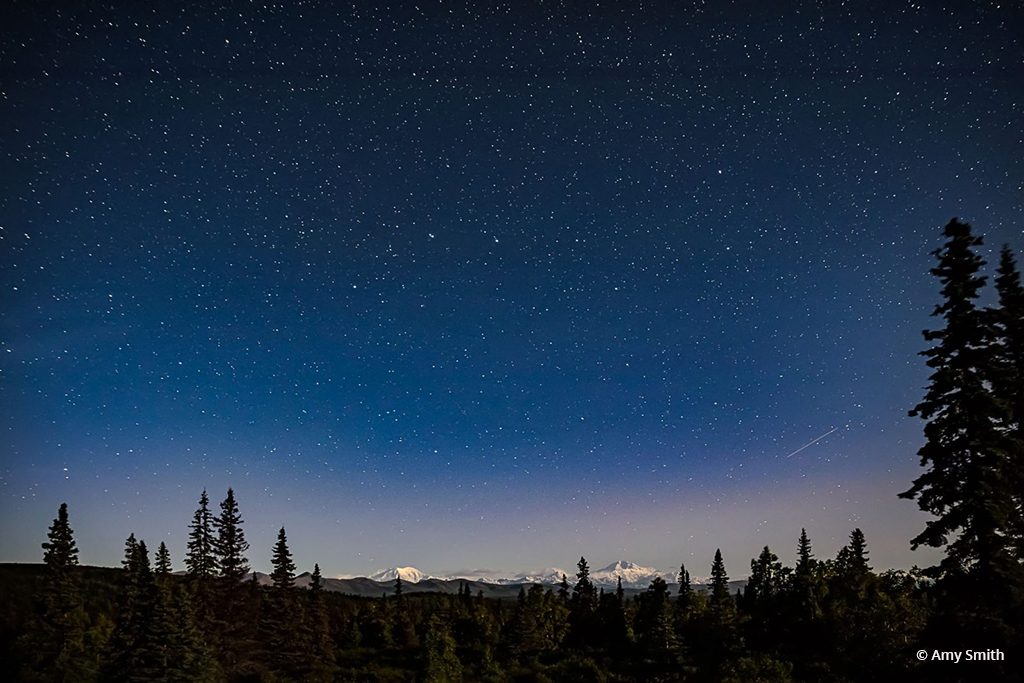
[(492, 584), (632, 574)]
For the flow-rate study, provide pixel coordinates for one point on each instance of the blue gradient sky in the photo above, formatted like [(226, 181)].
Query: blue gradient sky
[(486, 288)]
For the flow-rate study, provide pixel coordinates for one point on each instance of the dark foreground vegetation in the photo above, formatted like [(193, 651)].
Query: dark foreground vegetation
[(833, 618), (820, 619)]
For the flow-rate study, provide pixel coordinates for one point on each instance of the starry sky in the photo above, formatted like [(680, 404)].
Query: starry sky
[(489, 287)]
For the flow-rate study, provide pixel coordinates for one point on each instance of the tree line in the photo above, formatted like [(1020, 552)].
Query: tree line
[(831, 619), (216, 622)]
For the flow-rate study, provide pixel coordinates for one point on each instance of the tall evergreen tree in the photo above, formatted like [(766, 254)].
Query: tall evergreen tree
[(234, 613), (316, 581), (801, 612), (1008, 386), (859, 551), (1010, 314), (201, 567), (60, 552), (685, 599), (583, 631), (684, 580), (720, 595), (852, 560), (762, 598), (321, 647), (137, 645), (688, 607), (162, 563), (765, 581), (584, 592), (804, 556), (563, 589), (230, 544), (199, 560), (965, 486), (280, 619), (54, 641), (131, 547), (403, 630), (283, 575), (717, 638), (805, 584), (1008, 320)]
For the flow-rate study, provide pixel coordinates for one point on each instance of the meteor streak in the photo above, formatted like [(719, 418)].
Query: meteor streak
[(812, 442)]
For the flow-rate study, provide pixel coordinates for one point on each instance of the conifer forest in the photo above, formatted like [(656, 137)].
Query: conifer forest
[(201, 614)]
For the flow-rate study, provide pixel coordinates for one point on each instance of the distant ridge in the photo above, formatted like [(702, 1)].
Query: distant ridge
[(370, 588), (632, 574)]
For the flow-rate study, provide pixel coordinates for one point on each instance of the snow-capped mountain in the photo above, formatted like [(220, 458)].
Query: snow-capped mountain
[(632, 574), (408, 574), (481, 575), (548, 575)]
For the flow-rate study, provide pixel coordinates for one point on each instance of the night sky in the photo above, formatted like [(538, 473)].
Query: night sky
[(490, 287)]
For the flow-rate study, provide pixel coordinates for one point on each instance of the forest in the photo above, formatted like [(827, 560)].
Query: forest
[(816, 619)]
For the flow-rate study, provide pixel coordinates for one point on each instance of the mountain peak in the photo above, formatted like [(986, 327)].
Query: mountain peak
[(407, 574), (632, 574), (621, 565)]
